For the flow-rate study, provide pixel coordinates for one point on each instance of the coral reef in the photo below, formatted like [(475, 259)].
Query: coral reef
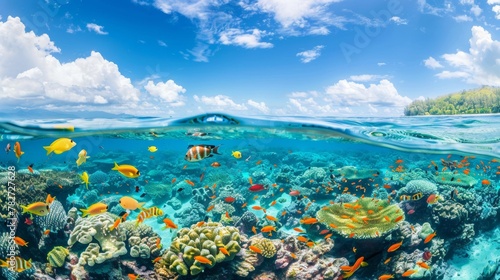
[(449, 218), (455, 179), (364, 218), (418, 186), (265, 245), (205, 241), (57, 256)]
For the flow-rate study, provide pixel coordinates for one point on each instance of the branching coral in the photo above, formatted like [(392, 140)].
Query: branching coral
[(365, 218)]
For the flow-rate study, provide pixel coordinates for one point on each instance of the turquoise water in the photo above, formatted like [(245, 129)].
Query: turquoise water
[(335, 196)]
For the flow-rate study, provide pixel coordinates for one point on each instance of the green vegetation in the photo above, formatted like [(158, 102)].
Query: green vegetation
[(482, 100)]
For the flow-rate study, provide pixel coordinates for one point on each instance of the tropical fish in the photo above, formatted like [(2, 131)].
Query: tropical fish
[(309, 221), (30, 168), (169, 223), (210, 208), (294, 193), (157, 259), (199, 152), (17, 151), (202, 259), (255, 249), (49, 199), (132, 276), (215, 164), (82, 157), (268, 229), (433, 198), (395, 246), (485, 182), (46, 232), (302, 238), (429, 237), (423, 265), (19, 241), (229, 199), (126, 170), (115, 224), (417, 196), (37, 208), (189, 182), (408, 273), (28, 221), (60, 146), (129, 203), (254, 230), (236, 154), (257, 188), (271, 218), (386, 277), (20, 264), (94, 209), (85, 178), (152, 149), (7, 148)]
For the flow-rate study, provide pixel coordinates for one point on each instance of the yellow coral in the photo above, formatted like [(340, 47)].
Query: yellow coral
[(364, 218), (266, 246)]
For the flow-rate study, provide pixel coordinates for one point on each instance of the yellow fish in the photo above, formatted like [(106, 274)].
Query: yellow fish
[(129, 203), (82, 157), (19, 264), (126, 170), (60, 146), (94, 209), (50, 199), (152, 149), (85, 178), (37, 208), (236, 154)]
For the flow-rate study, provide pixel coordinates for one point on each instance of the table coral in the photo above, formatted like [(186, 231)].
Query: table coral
[(365, 218), (201, 240)]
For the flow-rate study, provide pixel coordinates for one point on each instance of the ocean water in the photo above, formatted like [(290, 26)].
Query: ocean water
[(274, 198)]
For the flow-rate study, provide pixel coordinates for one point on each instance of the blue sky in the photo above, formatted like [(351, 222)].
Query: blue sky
[(247, 57)]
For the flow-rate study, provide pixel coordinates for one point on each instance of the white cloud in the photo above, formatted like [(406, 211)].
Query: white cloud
[(467, 2), (432, 63), (73, 29), (480, 65), (238, 37), (96, 28), (168, 91), (292, 13), (310, 55), (367, 78), (398, 20), (261, 106), (462, 18), (219, 102), (476, 10), (381, 64), (319, 30), (384, 94), (493, 2), (162, 44), (496, 10), (427, 8)]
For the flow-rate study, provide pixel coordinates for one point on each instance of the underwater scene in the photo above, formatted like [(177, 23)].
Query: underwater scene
[(225, 197)]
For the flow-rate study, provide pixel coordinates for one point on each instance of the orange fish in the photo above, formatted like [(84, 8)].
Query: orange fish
[(328, 235), (210, 208), (173, 180), (169, 223), (258, 162), (298, 229), (115, 224), (244, 205), (124, 217), (19, 241), (30, 168), (268, 229), (394, 247), (271, 218), (215, 164), (158, 244), (227, 215), (256, 207), (132, 276), (386, 277), (46, 232), (309, 221), (325, 231), (283, 213), (387, 186), (255, 249), (398, 219), (387, 261), (250, 180), (49, 199), (485, 182), (189, 182), (432, 199), (293, 255), (310, 244), (224, 251), (302, 238), (408, 273), (202, 259), (429, 237), (423, 265), (399, 161), (351, 235), (466, 171), (157, 259), (273, 203), (254, 230)]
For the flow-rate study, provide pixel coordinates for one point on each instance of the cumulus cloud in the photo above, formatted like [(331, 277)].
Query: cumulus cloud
[(261, 106), (366, 78), (169, 92), (250, 39), (32, 77), (219, 102), (346, 93), (432, 63), (480, 65), (96, 28), (310, 55)]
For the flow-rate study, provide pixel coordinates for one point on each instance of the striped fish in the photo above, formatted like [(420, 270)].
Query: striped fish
[(417, 196), (20, 264), (148, 213), (199, 152)]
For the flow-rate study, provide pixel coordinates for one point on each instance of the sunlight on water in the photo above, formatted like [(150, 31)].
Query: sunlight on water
[(215, 195)]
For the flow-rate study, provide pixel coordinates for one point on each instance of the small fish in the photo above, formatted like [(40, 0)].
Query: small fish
[(485, 182), (236, 154), (254, 230), (408, 273), (256, 207), (429, 237), (115, 224), (28, 221), (82, 157), (387, 261), (173, 180), (302, 238), (328, 236), (17, 151), (132, 276), (127, 170), (210, 208), (294, 193), (215, 164), (433, 198), (180, 189), (130, 203), (423, 265), (224, 251), (411, 211), (257, 188), (152, 149), (268, 229), (354, 249), (19, 241), (85, 178), (37, 208), (395, 246), (189, 182), (200, 152), (143, 194), (309, 221), (30, 168), (49, 199), (157, 259), (386, 277), (19, 266), (255, 249), (7, 148), (202, 259), (298, 229), (229, 199), (94, 209), (169, 223), (46, 232), (137, 188)]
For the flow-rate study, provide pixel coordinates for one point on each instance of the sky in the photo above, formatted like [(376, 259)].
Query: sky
[(167, 58)]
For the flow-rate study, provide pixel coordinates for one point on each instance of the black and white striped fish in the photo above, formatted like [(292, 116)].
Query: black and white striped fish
[(199, 152)]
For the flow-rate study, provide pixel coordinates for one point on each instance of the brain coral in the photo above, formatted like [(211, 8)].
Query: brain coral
[(418, 186), (266, 246), (202, 240), (365, 218)]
